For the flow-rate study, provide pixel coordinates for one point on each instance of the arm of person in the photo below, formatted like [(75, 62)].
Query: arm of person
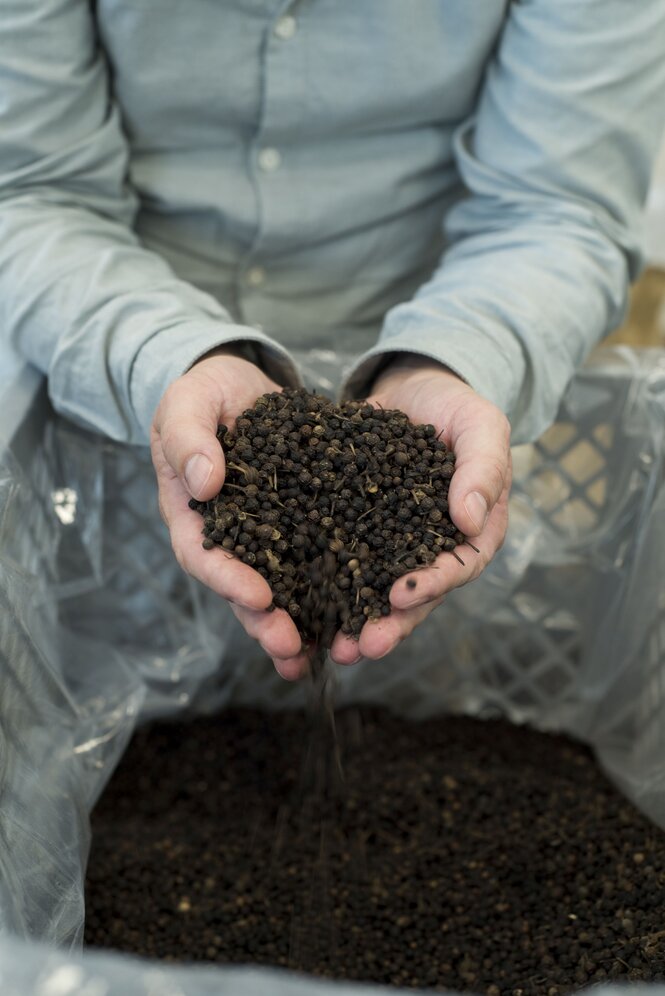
[(81, 298), (116, 332), (556, 160)]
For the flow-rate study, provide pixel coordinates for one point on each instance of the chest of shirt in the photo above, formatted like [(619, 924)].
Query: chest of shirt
[(207, 73)]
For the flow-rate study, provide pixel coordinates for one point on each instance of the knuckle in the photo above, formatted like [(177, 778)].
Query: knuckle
[(502, 425), (191, 430), (495, 473), (170, 440)]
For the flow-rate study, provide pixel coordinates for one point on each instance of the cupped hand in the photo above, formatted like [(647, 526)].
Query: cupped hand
[(189, 462), (479, 435)]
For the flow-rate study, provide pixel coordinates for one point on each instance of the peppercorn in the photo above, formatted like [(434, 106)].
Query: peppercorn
[(308, 480)]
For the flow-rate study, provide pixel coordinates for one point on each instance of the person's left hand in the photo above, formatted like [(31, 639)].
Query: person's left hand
[(479, 435)]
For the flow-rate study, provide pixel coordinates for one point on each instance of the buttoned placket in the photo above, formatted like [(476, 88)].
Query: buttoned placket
[(266, 160)]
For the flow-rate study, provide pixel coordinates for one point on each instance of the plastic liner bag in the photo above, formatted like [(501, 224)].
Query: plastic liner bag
[(33, 970), (99, 629)]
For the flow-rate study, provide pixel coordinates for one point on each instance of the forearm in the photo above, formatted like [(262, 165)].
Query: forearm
[(106, 320), (513, 314), (556, 161), (80, 297)]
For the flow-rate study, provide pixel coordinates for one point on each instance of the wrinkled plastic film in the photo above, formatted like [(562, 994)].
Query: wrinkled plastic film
[(33, 969), (99, 629)]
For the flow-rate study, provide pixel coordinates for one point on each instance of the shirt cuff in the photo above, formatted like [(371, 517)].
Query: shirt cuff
[(494, 368), (170, 353)]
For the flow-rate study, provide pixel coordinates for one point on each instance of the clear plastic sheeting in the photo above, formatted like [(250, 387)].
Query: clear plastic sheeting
[(38, 971), (99, 629), (33, 970)]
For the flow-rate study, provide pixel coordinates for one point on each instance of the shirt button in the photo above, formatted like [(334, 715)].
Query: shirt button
[(255, 276), (285, 27), (269, 160)]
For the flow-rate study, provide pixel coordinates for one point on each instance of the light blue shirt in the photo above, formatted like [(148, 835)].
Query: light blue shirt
[(457, 178)]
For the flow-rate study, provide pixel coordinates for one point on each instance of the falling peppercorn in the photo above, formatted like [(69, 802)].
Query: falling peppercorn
[(331, 504)]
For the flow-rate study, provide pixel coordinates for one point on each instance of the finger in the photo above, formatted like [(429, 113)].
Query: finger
[(186, 424), (431, 583), (344, 649), (292, 668), (377, 639), (482, 461), (216, 568), (277, 634)]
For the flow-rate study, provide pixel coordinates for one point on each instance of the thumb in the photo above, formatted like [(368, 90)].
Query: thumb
[(481, 442), (186, 423)]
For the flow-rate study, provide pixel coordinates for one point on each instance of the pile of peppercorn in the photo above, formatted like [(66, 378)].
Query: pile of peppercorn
[(458, 854), (330, 504)]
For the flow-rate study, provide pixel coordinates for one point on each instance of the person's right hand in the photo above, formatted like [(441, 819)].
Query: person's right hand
[(189, 462)]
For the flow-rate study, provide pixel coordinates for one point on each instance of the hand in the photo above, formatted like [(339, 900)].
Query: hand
[(479, 435), (189, 462)]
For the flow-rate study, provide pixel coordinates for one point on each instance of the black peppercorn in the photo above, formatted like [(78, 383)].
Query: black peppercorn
[(307, 480)]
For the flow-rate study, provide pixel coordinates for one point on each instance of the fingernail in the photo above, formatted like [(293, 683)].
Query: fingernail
[(477, 510), (197, 473)]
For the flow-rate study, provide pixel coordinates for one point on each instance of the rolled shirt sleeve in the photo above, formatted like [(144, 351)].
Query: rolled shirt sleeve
[(107, 320), (556, 161)]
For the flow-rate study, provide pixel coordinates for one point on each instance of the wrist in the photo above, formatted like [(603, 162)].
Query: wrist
[(239, 350), (402, 366)]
